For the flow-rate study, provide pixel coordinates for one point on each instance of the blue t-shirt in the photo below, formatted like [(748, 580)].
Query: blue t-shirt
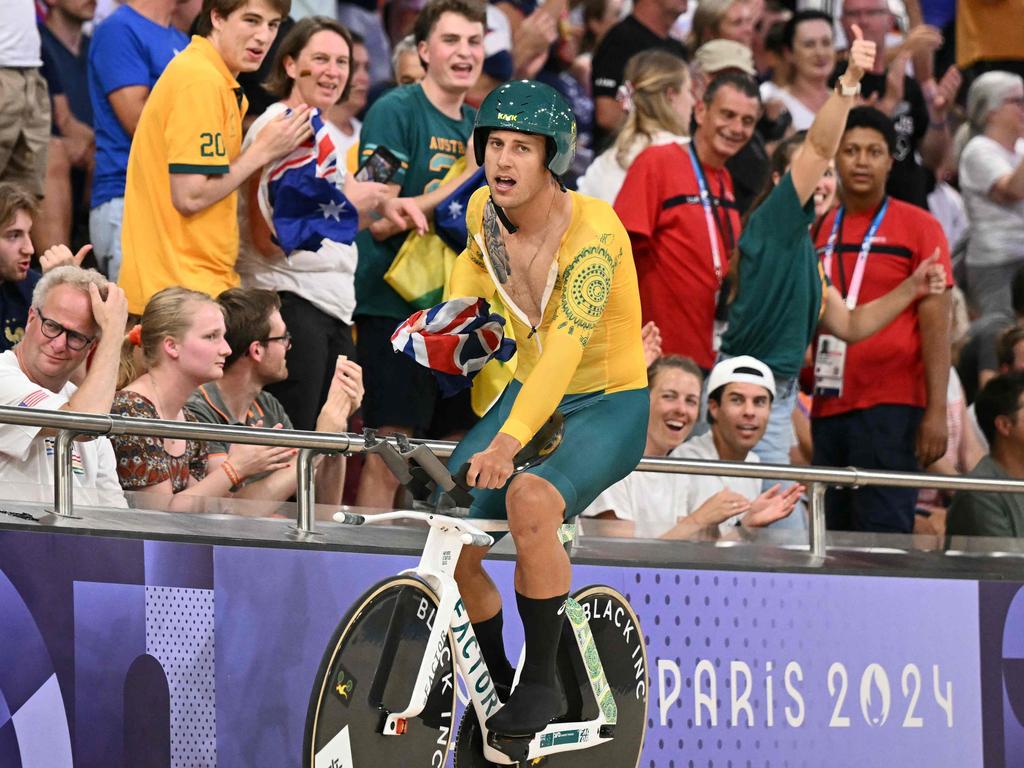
[(127, 49), (69, 71), (15, 299)]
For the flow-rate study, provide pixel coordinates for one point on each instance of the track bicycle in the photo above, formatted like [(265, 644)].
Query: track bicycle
[(385, 691)]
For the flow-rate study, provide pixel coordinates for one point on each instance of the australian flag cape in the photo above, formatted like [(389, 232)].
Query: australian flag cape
[(454, 340), (304, 191), (450, 215)]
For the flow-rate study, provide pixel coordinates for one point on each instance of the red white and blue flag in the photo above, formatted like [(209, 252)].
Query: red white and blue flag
[(304, 192), (454, 340), (33, 399)]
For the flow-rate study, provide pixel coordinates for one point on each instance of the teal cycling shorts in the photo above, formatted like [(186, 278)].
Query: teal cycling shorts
[(604, 440)]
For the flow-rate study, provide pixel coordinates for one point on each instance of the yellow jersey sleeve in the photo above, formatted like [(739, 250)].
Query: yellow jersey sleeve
[(194, 131), (587, 284)]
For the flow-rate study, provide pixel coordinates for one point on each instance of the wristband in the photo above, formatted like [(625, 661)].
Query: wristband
[(847, 90), (232, 473)]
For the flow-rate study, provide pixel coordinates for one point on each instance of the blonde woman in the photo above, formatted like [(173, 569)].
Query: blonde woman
[(660, 101), (722, 20), (183, 346)]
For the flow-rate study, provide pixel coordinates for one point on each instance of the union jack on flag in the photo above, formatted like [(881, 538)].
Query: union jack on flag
[(454, 340), (304, 192)]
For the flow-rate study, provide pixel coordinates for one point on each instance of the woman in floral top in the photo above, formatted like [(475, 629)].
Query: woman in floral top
[(183, 346)]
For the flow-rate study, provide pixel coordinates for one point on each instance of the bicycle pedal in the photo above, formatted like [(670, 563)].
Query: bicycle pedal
[(514, 747)]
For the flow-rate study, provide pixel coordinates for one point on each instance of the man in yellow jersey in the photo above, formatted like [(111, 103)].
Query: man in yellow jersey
[(561, 265), (180, 209)]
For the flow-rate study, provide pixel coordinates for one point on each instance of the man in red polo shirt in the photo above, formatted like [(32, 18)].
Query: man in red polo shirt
[(880, 403), (678, 206)]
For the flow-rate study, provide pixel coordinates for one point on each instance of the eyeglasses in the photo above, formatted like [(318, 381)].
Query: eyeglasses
[(285, 339), (51, 329)]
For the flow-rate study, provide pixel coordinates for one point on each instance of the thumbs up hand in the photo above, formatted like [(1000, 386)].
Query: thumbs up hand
[(861, 57)]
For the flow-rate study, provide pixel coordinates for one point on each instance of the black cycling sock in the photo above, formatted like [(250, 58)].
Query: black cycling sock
[(492, 648), (537, 698), (542, 628)]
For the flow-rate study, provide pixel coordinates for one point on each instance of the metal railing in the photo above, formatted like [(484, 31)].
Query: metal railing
[(68, 425)]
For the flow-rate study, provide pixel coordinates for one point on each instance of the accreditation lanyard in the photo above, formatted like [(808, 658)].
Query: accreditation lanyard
[(715, 228), (862, 257)]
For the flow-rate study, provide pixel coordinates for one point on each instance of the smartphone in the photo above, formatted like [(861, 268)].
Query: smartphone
[(381, 166)]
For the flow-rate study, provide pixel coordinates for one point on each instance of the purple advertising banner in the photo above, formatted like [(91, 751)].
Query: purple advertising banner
[(128, 648)]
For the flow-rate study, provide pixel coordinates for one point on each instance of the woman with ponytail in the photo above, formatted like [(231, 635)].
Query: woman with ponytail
[(181, 338), (659, 101)]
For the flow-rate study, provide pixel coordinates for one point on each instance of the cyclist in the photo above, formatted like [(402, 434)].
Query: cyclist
[(561, 265)]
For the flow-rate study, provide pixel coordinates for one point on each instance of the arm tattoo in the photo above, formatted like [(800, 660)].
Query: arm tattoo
[(496, 244)]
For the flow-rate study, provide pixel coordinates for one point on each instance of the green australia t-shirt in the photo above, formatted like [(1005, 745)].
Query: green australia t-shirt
[(427, 142), (781, 284)]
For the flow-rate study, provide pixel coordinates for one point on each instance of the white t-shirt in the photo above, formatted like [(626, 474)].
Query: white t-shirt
[(19, 36), (802, 116), (656, 501), (325, 278), (947, 205), (342, 141), (997, 229), (604, 176), (27, 460)]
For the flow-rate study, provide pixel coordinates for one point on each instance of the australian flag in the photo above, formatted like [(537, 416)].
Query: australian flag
[(450, 215), (454, 340), (304, 190)]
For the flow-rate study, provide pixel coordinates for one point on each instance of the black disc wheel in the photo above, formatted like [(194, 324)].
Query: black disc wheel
[(469, 746), (369, 669), (620, 645)]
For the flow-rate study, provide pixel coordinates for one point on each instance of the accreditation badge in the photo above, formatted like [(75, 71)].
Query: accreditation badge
[(720, 323), (829, 365)]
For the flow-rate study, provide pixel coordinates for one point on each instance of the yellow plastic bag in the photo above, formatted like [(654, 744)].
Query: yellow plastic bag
[(420, 270), (423, 264)]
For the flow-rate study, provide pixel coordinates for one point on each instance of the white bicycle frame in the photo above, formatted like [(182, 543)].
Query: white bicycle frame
[(441, 552)]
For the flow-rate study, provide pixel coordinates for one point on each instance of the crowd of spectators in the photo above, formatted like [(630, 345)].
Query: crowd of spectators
[(811, 190)]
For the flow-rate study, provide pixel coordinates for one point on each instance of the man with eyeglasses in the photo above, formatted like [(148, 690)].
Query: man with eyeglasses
[(75, 314), (259, 339), (919, 111)]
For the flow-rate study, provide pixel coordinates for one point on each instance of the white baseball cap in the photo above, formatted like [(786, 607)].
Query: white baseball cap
[(741, 370)]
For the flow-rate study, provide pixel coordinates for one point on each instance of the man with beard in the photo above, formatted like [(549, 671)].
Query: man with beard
[(259, 339)]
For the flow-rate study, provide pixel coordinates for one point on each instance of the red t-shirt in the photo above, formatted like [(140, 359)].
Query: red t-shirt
[(659, 204), (887, 368)]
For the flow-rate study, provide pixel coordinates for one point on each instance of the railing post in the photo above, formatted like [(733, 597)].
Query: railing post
[(816, 531), (305, 493), (63, 487)]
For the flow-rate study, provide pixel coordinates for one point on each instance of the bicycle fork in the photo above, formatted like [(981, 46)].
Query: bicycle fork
[(436, 567)]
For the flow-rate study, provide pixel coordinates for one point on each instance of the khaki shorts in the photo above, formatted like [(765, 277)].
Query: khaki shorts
[(24, 127)]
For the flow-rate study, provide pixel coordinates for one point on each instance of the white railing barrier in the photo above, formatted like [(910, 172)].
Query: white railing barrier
[(68, 425)]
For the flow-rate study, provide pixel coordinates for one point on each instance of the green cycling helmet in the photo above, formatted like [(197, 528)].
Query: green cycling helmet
[(529, 107)]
